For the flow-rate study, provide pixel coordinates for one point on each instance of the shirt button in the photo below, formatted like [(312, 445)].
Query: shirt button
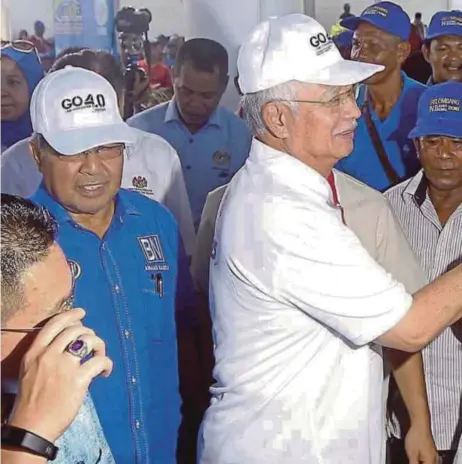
[(121, 219), (104, 246), (191, 140), (137, 424), (188, 167), (116, 288), (127, 334), (133, 380)]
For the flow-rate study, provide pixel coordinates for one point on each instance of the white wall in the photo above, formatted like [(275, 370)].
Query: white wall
[(327, 12), (168, 15)]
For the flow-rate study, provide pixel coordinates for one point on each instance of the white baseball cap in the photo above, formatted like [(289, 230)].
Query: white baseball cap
[(295, 47), (75, 110)]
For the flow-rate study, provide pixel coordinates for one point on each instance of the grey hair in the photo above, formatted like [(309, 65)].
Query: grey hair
[(253, 103)]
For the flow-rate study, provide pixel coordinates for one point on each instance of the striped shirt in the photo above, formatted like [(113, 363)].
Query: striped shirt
[(438, 249)]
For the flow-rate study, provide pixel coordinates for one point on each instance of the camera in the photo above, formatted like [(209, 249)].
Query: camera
[(131, 21), (133, 26)]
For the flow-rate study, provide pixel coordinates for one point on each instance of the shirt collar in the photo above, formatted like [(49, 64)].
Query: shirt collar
[(172, 114), (430, 81), (292, 172), (416, 189), (124, 207)]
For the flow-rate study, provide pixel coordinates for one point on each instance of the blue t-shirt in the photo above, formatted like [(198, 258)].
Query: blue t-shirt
[(363, 163), (127, 283), (210, 157)]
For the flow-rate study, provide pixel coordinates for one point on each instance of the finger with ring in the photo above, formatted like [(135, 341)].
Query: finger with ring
[(78, 348)]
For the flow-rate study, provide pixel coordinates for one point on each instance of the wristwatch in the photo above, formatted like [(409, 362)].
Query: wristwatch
[(15, 436)]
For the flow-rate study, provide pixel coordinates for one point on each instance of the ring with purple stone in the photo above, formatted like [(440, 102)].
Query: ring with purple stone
[(78, 348)]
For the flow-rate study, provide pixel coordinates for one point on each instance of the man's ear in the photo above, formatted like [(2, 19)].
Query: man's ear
[(426, 51), (34, 149), (275, 119)]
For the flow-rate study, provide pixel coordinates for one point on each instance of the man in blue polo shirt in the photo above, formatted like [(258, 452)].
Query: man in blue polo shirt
[(126, 258), (212, 142), (443, 47), (383, 153)]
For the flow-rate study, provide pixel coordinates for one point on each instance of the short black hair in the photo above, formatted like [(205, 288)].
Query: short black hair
[(99, 61), (206, 55), (27, 233), (418, 15)]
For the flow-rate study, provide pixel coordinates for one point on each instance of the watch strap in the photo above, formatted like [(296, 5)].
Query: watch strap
[(21, 438)]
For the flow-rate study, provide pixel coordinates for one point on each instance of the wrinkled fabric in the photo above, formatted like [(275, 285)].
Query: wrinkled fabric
[(84, 441)]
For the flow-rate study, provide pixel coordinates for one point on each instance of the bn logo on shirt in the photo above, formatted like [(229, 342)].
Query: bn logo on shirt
[(152, 248)]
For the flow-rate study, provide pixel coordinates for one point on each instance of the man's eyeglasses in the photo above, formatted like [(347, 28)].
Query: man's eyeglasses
[(339, 100), (67, 306), (105, 153)]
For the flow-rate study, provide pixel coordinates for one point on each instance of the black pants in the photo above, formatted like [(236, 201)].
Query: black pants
[(396, 453)]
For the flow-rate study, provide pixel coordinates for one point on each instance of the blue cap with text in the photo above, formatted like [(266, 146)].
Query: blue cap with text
[(387, 16), (440, 111), (445, 23)]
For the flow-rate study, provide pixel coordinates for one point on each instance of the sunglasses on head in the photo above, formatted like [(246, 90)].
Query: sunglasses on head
[(19, 46), (23, 46)]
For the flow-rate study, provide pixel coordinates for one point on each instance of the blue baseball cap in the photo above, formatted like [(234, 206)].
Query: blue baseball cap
[(445, 23), (440, 111), (387, 16)]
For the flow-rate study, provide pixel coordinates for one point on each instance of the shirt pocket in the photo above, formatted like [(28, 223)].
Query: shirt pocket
[(158, 297)]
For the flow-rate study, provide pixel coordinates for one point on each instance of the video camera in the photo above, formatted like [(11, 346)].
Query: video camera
[(131, 21), (132, 26)]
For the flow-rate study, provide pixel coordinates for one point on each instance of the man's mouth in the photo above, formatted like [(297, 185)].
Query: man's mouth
[(453, 68), (91, 189)]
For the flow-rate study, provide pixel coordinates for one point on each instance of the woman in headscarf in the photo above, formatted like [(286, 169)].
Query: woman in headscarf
[(21, 72)]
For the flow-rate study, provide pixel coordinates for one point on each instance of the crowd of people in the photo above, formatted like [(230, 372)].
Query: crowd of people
[(282, 284)]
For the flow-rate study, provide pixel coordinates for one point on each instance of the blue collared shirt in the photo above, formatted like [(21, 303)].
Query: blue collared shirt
[(210, 157), (127, 283), (363, 163)]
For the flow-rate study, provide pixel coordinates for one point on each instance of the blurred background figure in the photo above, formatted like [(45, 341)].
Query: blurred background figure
[(42, 45), (159, 73), (23, 35), (421, 28), (21, 71), (416, 66), (171, 49), (346, 11), (45, 47)]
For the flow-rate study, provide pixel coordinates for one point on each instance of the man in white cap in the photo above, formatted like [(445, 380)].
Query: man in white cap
[(299, 308), (131, 274)]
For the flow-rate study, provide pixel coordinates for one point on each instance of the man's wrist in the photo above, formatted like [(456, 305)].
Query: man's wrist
[(23, 422), (12, 455), (421, 420)]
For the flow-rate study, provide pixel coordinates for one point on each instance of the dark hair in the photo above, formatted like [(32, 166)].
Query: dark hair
[(69, 51), (418, 16), (205, 55), (98, 61), (27, 233)]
